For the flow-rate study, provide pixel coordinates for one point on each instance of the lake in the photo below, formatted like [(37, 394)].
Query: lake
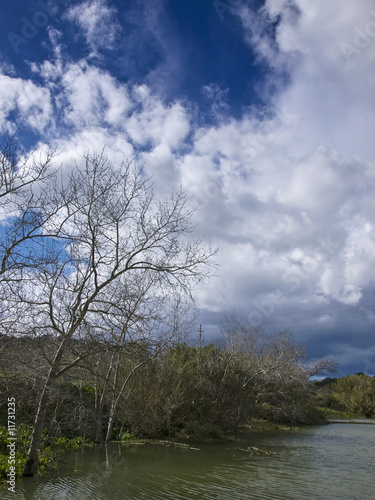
[(334, 461)]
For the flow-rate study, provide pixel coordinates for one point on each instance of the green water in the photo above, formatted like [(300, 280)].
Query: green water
[(325, 462)]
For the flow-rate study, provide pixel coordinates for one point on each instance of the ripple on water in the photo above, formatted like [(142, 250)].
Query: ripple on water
[(334, 461)]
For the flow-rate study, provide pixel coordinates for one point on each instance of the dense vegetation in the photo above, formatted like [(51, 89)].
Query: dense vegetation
[(179, 392), (353, 395), (137, 390)]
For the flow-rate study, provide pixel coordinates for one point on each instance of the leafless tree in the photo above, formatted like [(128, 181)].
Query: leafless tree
[(17, 172), (24, 210), (275, 365), (105, 230), (24, 206), (146, 320)]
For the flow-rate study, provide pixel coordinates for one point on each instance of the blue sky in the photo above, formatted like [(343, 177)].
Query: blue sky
[(263, 110)]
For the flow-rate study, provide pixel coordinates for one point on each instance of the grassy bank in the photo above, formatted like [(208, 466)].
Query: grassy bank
[(337, 414)]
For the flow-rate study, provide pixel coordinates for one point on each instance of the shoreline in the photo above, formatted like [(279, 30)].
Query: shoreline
[(351, 421)]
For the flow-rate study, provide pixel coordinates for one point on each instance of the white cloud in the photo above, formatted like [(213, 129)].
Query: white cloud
[(283, 221), (300, 187), (156, 123), (71, 148), (329, 91), (93, 96), (98, 23), (95, 111), (31, 101)]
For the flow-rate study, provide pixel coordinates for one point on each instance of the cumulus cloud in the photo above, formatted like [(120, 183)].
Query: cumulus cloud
[(286, 223), (30, 101), (327, 88), (156, 123), (284, 202), (93, 96)]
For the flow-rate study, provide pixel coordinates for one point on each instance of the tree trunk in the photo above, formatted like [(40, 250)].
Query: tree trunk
[(99, 402), (32, 459), (111, 419), (116, 399)]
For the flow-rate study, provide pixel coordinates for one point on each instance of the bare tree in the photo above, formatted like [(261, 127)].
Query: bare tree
[(276, 367), (24, 211), (105, 226), (24, 205), (156, 327), (17, 172)]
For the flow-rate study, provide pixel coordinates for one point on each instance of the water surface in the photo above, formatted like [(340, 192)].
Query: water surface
[(335, 461)]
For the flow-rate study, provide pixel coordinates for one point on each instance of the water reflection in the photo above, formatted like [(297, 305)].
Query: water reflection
[(334, 461)]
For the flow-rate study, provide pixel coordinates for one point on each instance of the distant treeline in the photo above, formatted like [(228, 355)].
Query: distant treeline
[(354, 394)]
